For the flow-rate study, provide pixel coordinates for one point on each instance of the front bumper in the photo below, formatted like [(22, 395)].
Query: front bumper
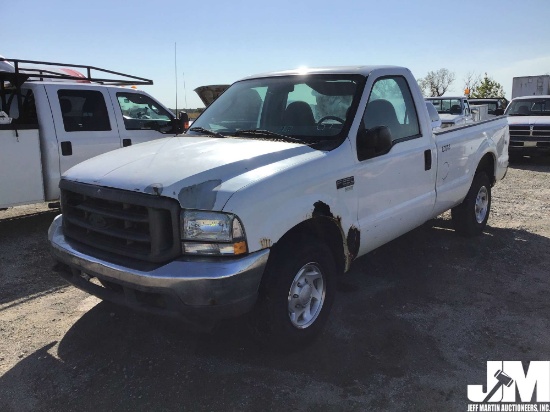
[(529, 148), (188, 286)]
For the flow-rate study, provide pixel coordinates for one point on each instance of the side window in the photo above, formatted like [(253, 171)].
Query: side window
[(83, 110), (140, 112), (28, 114), (391, 104)]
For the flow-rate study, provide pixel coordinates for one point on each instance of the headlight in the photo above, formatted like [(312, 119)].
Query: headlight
[(212, 233)]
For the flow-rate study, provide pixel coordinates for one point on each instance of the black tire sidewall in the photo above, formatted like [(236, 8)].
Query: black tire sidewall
[(464, 217), (272, 314)]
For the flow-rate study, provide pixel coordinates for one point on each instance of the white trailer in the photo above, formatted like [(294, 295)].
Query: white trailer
[(531, 86)]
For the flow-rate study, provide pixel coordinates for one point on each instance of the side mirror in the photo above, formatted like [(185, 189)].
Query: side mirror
[(373, 142), (499, 112), (181, 124)]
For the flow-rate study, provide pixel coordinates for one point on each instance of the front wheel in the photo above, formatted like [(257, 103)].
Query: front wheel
[(470, 217), (296, 295)]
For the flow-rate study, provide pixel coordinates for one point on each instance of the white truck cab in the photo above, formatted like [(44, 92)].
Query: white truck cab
[(453, 111), (57, 118)]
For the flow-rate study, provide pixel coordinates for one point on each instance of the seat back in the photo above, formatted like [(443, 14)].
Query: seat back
[(381, 112), (523, 110), (298, 114), (455, 109), (94, 114)]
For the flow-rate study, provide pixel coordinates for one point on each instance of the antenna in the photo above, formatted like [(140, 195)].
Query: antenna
[(184, 91), (176, 73)]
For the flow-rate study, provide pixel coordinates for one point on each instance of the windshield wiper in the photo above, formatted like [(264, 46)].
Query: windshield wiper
[(208, 132), (267, 133)]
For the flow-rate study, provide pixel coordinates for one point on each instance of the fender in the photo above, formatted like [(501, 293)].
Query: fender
[(270, 207)]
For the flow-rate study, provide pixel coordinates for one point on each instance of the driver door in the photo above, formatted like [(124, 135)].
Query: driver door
[(396, 190), (140, 118)]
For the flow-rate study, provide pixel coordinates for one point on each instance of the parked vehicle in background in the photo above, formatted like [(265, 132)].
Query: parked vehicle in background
[(531, 86), (495, 106), (480, 112), (58, 117), (434, 116), (529, 121), (210, 93), (453, 111), (279, 185)]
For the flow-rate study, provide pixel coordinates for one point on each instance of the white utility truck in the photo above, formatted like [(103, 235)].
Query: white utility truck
[(55, 117), (274, 191)]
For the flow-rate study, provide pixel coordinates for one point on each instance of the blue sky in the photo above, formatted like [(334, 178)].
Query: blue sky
[(222, 42)]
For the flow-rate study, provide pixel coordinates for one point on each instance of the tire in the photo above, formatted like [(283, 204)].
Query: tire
[(470, 217), (296, 295)]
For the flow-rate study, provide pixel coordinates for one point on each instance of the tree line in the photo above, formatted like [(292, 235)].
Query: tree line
[(436, 83)]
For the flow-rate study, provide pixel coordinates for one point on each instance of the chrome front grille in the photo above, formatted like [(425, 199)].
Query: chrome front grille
[(124, 223), (537, 135)]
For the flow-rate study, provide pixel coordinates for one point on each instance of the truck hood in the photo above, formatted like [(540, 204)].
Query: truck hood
[(200, 172), (210, 93), (530, 120)]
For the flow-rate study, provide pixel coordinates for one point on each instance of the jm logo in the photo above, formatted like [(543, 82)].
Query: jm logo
[(508, 382)]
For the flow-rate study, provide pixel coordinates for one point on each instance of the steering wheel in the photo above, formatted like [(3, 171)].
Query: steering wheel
[(321, 120)]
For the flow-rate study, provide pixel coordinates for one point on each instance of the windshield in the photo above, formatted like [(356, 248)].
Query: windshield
[(447, 106), (313, 109), (529, 107)]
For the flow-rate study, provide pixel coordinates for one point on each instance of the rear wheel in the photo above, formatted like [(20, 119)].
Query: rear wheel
[(296, 295), (470, 217)]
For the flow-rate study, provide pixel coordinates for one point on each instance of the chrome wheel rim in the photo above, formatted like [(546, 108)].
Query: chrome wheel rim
[(306, 296), (482, 204)]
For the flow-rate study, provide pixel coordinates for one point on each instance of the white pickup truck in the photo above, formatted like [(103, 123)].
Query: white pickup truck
[(274, 191), (55, 118), (529, 120)]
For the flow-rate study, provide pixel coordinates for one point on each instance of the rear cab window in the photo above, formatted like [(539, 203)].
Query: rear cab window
[(83, 110)]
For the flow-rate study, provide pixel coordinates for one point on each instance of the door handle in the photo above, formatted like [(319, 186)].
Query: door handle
[(427, 159), (66, 148), (126, 142)]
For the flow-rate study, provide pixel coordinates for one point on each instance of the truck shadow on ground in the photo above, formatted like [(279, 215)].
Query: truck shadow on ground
[(532, 163), (427, 302), (25, 260)]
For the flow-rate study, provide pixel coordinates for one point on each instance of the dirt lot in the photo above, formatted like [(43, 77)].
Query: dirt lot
[(413, 324)]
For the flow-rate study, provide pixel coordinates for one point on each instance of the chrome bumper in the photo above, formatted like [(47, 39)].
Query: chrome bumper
[(211, 287)]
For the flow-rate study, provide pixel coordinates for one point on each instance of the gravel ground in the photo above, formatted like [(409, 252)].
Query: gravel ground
[(413, 324)]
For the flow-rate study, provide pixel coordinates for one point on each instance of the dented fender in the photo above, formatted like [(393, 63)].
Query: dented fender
[(350, 240), (272, 207)]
